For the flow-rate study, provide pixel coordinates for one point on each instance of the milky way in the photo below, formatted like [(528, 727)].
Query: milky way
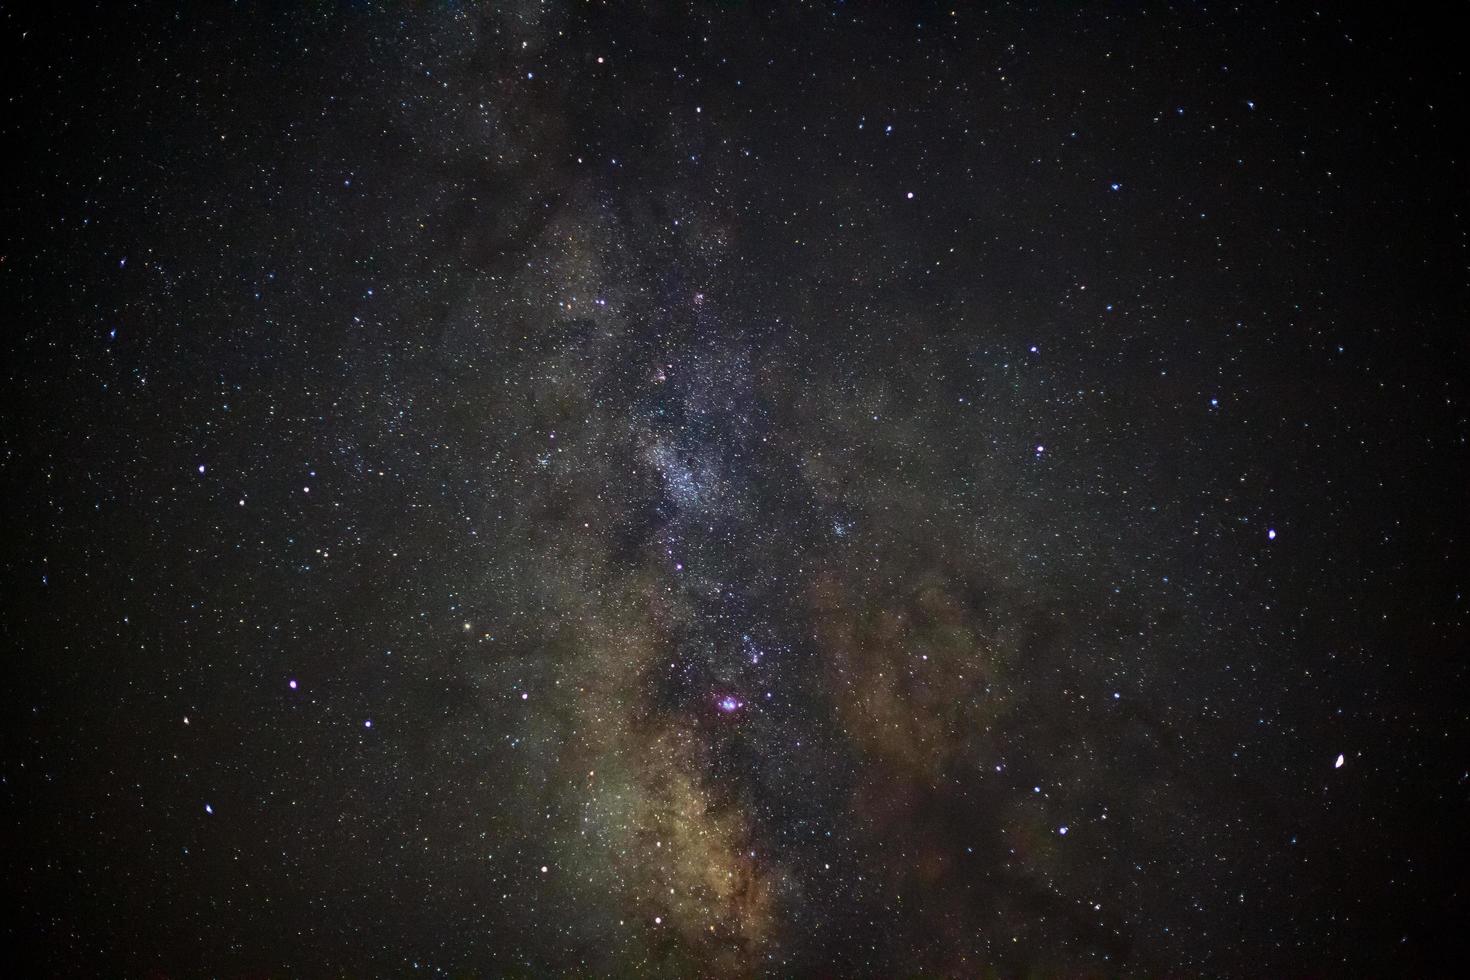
[(862, 490)]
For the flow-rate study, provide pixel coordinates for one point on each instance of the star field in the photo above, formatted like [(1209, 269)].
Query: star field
[(823, 490)]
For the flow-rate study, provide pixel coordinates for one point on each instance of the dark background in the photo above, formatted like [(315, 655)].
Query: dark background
[(559, 370)]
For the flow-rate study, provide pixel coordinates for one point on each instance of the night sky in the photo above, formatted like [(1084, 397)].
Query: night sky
[(837, 490)]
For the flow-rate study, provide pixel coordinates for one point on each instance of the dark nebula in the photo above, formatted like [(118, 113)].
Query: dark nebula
[(727, 490)]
